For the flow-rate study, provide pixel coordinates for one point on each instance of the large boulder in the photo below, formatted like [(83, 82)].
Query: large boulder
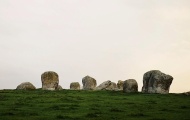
[(59, 87), (75, 86), (112, 86), (89, 83), (107, 85), (26, 86), (120, 84), (104, 85), (156, 82), (50, 80), (130, 85)]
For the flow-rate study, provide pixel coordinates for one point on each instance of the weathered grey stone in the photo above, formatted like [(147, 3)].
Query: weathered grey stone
[(112, 86), (130, 85), (50, 80), (120, 84), (59, 87), (89, 83), (26, 86), (104, 85), (75, 86), (107, 85), (156, 82)]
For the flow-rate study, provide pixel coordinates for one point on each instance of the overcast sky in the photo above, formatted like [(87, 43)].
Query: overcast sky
[(105, 39)]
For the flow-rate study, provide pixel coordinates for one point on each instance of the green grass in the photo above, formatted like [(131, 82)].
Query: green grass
[(92, 105)]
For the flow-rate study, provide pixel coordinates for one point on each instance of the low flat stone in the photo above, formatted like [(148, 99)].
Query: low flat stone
[(26, 86)]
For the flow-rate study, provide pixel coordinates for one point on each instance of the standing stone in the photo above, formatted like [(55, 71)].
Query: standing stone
[(75, 86), (107, 85), (59, 87), (156, 82), (120, 84), (26, 86), (130, 85), (104, 85), (89, 83), (50, 80), (112, 86)]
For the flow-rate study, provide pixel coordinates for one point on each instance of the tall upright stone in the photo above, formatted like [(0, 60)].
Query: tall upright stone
[(130, 85), (50, 80), (155, 81), (89, 83)]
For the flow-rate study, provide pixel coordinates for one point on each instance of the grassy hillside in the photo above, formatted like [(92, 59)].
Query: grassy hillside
[(92, 105)]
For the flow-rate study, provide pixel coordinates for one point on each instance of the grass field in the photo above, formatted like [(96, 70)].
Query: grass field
[(92, 105)]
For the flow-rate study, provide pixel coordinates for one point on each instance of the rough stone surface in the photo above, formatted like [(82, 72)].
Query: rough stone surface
[(120, 84), (130, 85), (156, 82), (107, 85), (59, 87), (104, 85), (112, 86), (50, 80), (26, 86), (75, 86), (89, 83)]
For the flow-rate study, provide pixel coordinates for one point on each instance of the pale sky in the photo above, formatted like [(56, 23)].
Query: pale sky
[(106, 39)]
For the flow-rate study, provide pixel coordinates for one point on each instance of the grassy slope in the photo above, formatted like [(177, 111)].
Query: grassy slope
[(99, 105)]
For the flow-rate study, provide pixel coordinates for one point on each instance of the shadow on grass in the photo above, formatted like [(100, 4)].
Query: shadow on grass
[(137, 115)]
